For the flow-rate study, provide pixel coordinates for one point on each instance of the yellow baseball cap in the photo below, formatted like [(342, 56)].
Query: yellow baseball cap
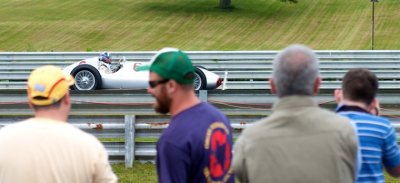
[(47, 85)]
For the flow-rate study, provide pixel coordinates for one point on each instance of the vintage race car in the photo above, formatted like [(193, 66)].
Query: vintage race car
[(93, 74)]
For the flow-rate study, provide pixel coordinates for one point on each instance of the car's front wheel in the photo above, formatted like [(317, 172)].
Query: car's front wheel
[(86, 80)]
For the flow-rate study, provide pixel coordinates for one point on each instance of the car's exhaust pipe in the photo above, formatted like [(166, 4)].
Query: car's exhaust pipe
[(222, 81)]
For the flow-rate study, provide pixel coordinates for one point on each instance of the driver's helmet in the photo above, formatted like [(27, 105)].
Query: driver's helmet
[(105, 57)]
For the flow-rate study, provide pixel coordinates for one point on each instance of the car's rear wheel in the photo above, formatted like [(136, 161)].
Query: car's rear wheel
[(86, 80), (199, 82)]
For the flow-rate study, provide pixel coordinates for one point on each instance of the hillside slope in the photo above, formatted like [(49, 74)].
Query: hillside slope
[(127, 25)]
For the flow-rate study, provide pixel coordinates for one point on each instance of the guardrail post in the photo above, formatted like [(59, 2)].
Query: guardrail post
[(203, 95), (129, 140)]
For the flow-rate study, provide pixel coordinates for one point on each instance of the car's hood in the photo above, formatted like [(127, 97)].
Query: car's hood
[(91, 61)]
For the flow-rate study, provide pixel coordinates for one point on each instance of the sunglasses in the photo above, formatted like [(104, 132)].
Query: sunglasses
[(153, 84)]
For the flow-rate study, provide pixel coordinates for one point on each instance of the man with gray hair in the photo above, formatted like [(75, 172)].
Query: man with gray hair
[(299, 141)]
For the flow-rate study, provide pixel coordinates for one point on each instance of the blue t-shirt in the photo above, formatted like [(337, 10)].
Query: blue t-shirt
[(377, 142), (196, 147)]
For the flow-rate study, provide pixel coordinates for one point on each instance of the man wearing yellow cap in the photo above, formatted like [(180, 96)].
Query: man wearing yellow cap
[(46, 148)]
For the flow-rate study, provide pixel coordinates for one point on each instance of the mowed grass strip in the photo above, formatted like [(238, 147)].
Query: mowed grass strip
[(137, 139), (146, 172), (127, 25), (140, 173)]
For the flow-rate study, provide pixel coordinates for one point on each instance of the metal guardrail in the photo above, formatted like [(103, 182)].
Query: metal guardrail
[(246, 69), (128, 115), (107, 115)]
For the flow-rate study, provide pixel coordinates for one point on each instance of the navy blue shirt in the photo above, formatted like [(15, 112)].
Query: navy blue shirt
[(196, 147)]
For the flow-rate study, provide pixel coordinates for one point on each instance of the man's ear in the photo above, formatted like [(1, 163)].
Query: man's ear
[(317, 84), (374, 108), (66, 99), (31, 105), (338, 94), (272, 85), (171, 86)]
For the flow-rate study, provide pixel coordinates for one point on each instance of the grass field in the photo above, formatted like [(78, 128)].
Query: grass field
[(128, 25)]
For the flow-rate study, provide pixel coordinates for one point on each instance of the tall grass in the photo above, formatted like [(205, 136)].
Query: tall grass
[(126, 25)]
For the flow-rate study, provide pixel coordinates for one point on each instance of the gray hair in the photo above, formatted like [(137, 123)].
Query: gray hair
[(295, 70)]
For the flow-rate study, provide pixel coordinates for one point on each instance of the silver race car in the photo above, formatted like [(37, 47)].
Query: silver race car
[(93, 74)]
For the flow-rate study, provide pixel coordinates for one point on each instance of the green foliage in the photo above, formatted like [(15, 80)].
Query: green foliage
[(122, 25)]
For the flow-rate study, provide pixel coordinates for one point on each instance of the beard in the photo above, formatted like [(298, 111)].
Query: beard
[(163, 102)]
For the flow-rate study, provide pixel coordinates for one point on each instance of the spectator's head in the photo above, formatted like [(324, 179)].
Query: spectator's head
[(295, 72), (47, 87), (360, 85), (105, 57), (171, 71), (171, 63)]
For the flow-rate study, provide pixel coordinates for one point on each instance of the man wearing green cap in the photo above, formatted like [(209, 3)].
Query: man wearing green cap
[(197, 145)]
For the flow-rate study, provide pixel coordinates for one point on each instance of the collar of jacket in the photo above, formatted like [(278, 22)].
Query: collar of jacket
[(295, 101)]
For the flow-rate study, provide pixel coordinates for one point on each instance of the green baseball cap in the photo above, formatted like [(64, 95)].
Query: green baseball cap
[(171, 63)]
